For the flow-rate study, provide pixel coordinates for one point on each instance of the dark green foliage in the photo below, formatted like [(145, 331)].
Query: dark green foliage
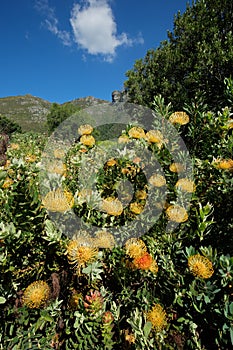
[(59, 113), (7, 126), (195, 58)]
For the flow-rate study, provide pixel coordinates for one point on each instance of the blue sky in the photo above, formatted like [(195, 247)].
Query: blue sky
[(60, 50)]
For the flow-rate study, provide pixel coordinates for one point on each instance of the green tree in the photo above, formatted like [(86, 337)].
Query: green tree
[(58, 113), (194, 60), (7, 126)]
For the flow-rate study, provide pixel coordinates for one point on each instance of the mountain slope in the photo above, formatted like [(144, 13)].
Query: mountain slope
[(30, 112)]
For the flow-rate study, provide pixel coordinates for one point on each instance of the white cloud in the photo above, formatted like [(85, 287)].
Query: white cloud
[(95, 29), (93, 25), (51, 22)]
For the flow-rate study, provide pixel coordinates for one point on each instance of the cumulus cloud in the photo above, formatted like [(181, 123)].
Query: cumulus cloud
[(51, 22), (93, 25), (95, 29)]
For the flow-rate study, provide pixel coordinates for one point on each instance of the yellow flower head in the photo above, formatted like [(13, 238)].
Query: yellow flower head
[(14, 146), (177, 213), (225, 164), (141, 194), (136, 208), (56, 167), (123, 139), (176, 167), (104, 239), (30, 158), (157, 316), (155, 136), (179, 118), (135, 248), (87, 140), (129, 337), (7, 183), (146, 262), (112, 206), (58, 200), (200, 266), (85, 129), (186, 185), (157, 180), (36, 294), (81, 251), (136, 132), (111, 162), (59, 153)]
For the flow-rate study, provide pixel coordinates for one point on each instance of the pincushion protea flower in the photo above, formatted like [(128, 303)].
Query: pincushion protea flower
[(157, 180), (123, 139), (7, 183), (135, 247), (225, 164), (81, 251), (176, 167), (200, 266), (157, 316), (177, 213), (155, 136), (181, 118), (136, 132), (112, 206), (136, 208), (87, 140), (58, 200), (104, 239), (85, 129), (36, 294), (146, 262), (186, 185)]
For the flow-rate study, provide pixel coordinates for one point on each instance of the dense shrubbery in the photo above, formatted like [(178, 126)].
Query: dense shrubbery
[(163, 290)]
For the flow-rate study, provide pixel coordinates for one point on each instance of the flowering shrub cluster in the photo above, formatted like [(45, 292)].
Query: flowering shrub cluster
[(160, 289)]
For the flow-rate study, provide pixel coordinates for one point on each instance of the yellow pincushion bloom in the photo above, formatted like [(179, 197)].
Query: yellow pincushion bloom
[(157, 316), (7, 183), (225, 164), (81, 251), (112, 206), (14, 146), (123, 139), (136, 208), (85, 129), (104, 239), (30, 158), (87, 140), (157, 180), (136, 132), (141, 194), (186, 185), (155, 136), (176, 167), (59, 153), (177, 213), (135, 248), (36, 294), (200, 266), (58, 200), (181, 118)]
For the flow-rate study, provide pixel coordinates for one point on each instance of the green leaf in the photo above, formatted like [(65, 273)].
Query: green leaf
[(2, 300), (147, 329)]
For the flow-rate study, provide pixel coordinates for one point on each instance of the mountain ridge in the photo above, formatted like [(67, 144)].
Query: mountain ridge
[(30, 112)]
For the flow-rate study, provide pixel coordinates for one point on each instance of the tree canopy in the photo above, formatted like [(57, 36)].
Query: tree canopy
[(194, 60), (58, 113)]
